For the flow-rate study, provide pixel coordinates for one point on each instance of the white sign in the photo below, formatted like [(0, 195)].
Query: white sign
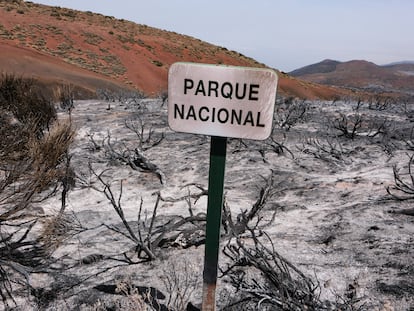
[(221, 100)]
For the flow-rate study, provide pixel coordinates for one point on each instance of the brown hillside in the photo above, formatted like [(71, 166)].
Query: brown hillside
[(88, 50), (52, 71)]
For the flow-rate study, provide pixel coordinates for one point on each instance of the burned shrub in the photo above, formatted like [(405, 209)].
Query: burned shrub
[(264, 280), (33, 163), (26, 103), (348, 126), (290, 112), (403, 188)]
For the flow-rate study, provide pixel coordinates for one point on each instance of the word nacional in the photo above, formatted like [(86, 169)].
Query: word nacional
[(221, 100)]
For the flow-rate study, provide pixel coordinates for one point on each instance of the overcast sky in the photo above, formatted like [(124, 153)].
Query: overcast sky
[(283, 34)]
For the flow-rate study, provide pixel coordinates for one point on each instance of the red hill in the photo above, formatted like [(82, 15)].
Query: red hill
[(88, 50)]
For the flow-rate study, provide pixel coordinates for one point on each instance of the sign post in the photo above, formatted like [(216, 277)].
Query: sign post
[(214, 203), (219, 101)]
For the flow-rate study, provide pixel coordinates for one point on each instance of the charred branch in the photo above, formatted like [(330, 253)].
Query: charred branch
[(273, 282), (380, 103), (271, 144), (327, 149), (122, 96), (278, 147), (135, 158), (245, 218), (146, 137), (403, 188), (115, 202), (348, 126), (196, 196), (290, 112), (152, 233)]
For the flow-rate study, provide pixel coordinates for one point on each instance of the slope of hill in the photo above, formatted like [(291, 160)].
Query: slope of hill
[(87, 49), (50, 71), (396, 79)]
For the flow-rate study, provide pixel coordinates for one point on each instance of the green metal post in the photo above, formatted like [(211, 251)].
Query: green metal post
[(214, 207)]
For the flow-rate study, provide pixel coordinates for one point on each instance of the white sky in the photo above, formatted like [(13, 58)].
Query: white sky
[(283, 34)]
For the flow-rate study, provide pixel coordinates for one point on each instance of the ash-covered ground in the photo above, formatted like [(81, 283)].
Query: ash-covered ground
[(330, 164)]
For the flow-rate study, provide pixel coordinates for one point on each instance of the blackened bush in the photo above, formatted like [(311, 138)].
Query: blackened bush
[(32, 150), (25, 102), (34, 162)]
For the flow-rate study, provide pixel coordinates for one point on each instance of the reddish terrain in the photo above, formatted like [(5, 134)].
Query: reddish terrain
[(51, 71), (89, 51)]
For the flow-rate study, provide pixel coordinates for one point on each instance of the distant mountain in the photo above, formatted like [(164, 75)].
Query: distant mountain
[(406, 67), (58, 45), (410, 62), (393, 79)]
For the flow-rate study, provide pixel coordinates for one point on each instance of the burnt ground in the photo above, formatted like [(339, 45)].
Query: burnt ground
[(330, 214)]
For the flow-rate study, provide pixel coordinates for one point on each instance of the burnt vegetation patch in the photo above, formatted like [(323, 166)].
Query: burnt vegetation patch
[(311, 166), (34, 163)]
